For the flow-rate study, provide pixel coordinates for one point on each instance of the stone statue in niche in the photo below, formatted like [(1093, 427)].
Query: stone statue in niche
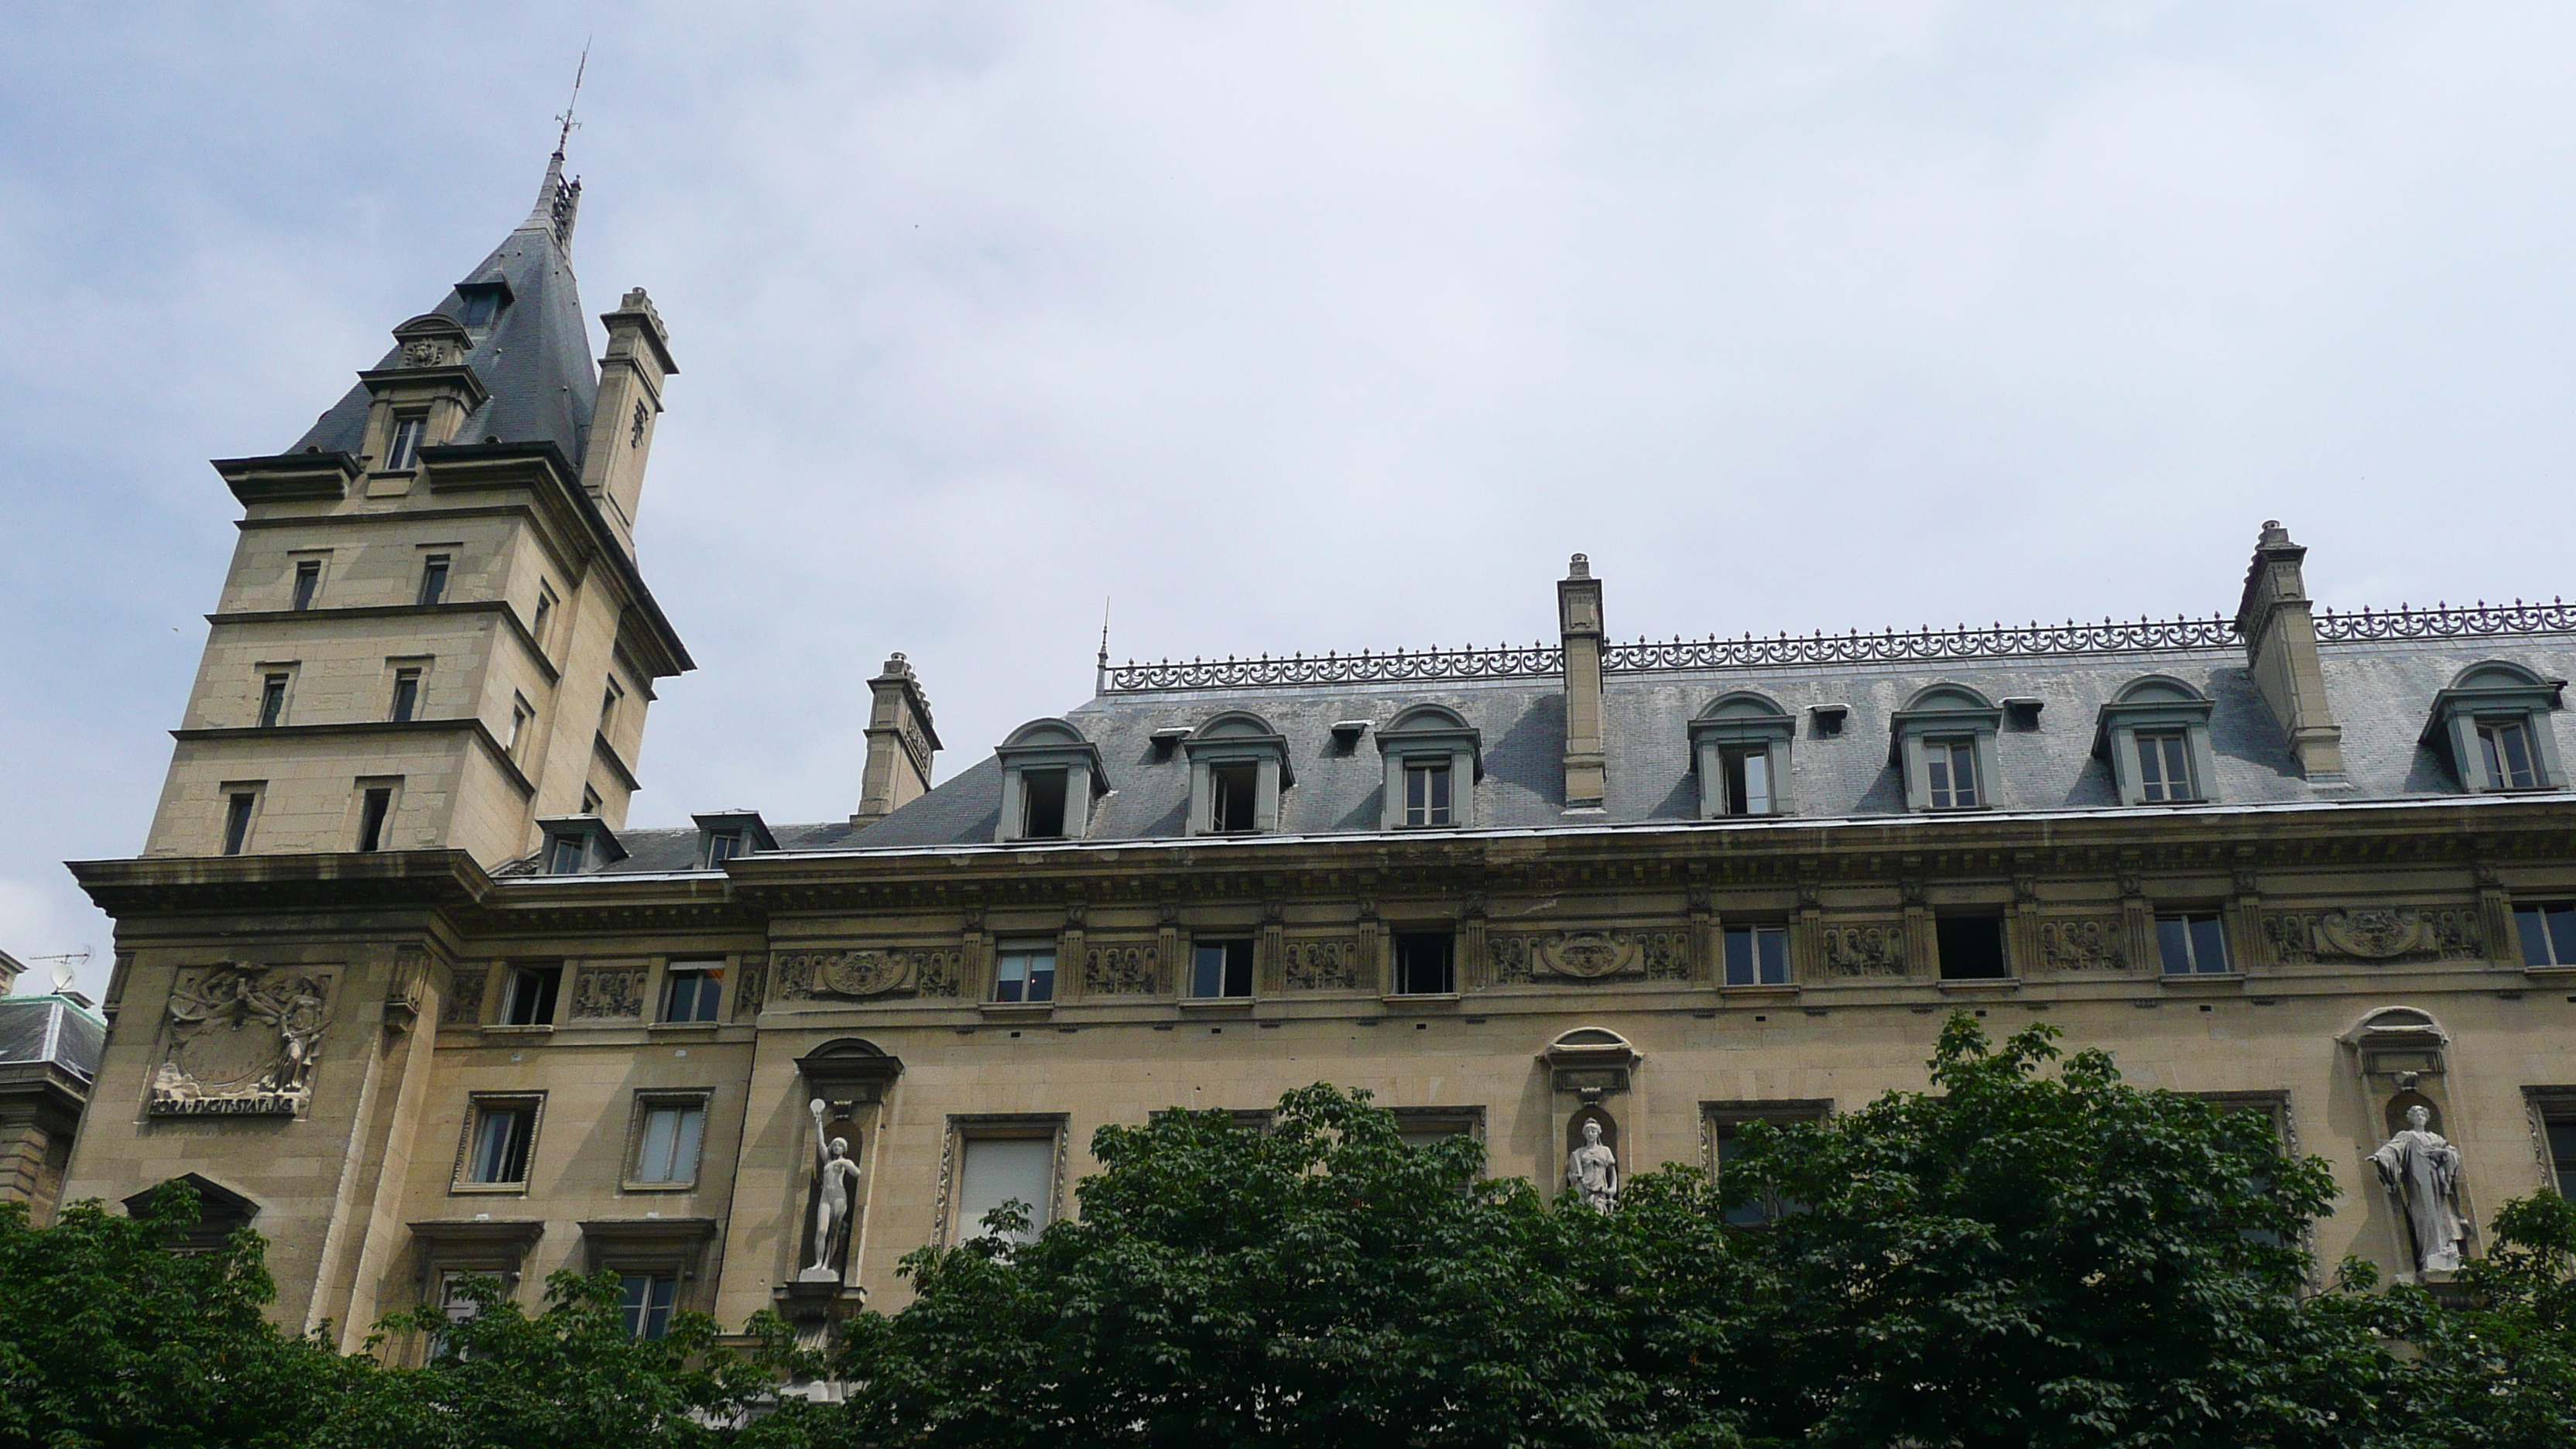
[(836, 1190), (2422, 1170), (1592, 1171)]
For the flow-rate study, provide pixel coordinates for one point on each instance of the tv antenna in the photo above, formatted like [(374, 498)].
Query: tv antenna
[(67, 965)]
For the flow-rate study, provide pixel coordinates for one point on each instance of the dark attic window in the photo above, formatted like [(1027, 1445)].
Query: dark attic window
[(1042, 799), (482, 304), (1237, 788)]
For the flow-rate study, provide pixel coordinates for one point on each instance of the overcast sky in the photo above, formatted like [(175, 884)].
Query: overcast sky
[(1293, 327)]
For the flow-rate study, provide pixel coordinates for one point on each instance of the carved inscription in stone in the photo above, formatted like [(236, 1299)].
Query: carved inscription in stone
[(1865, 950), (1331, 965), (2091, 944), (2386, 933), (859, 974), (1586, 955), (464, 997), (242, 1042), (1120, 970), (614, 993)]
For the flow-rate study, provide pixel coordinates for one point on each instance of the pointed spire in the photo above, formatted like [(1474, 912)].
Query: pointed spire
[(558, 200)]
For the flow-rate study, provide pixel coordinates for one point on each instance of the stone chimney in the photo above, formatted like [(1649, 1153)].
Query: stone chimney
[(629, 402), (901, 744), (1578, 612), (2280, 637)]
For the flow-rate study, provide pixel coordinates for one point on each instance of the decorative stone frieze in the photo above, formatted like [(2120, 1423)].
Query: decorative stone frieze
[(1589, 955), (1877, 949), (1320, 965), (1121, 969), (241, 1041), (2378, 933), (2090, 943), (864, 973), (612, 993)]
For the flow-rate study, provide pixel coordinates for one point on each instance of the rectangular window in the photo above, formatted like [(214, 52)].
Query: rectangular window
[(996, 1170), (646, 1299), (531, 1001), (1972, 947), (589, 800), (609, 699), (497, 1152), (272, 701), (482, 302), (2506, 746), (1425, 963), (1748, 780), (373, 807), (1726, 1123), (1951, 766), (1237, 789), (564, 855), (455, 1305), (2562, 1153), (403, 453), (692, 992), (2548, 933), (1426, 794), (433, 578), (666, 1150), (2192, 944), (406, 693), (1221, 968), (1042, 804), (2164, 768), (545, 616), (1757, 955), (308, 582), (722, 845), (522, 715), (1024, 974), (237, 812)]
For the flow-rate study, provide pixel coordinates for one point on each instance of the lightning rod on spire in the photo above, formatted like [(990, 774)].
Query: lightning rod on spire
[(565, 137)]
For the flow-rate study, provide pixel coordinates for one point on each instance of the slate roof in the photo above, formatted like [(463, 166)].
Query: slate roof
[(534, 358), (2381, 692)]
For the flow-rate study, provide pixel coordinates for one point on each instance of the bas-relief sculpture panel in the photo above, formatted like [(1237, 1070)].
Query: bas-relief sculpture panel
[(868, 972), (1589, 955), (2082, 944), (2389, 933), (241, 1040), (1864, 950), (1116, 969), (614, 993), (1321, 965)]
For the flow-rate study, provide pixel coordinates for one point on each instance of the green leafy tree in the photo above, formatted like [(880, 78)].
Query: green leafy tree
[(107, 1338), (2035, 1260), (1323, 1283)]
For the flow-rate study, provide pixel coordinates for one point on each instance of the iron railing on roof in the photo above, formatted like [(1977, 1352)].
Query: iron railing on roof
[(1920, 646)]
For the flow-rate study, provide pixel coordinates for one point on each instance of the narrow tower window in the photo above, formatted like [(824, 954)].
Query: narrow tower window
[(406, 693), (545, 615), (308, 582), (272, 701), (404, 451), (237, 810), (433, 578), (373, 807)]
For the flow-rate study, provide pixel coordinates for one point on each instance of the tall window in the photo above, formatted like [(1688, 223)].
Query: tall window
[(667, 1148), (2164, 767), (406, 693), (692, 992), (433, 578), (2562, 1153), (531, 1001), (2506, 746), (522, 715), (497, 1153), (237, 811), (1221, 968), (1425, 963), (1426, 794), (404, 451), (1952, 767), (609, 699), (455, 1305), (1237, 788), (589, 800), (1042, 804), (995, 1170), (1726, 1122), (1748, 780), (1757, 956), (373, 807), (308, 582), (2548, 933), (2192, 944), (1024, 973), (545, 615), (646, 1299), (272, 701)]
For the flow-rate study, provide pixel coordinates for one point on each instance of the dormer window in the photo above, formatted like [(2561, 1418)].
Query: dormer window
[(1944, 742), (2494, 727), (1740, 751), (481, 303), (731, 835), (1238, 767), (2154, 734), (577, 844), (564, 855), (1051, 775), (402, 453), (1433, 760)]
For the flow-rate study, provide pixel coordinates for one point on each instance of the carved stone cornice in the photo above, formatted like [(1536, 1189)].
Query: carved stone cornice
[(204, 885)]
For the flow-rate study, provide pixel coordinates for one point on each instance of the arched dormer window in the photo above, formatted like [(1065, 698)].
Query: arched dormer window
[(2155, 734), (1740, 750), (1238, 767), (1433, 761), (2493, 726), (1944, 740), (1050, 777)]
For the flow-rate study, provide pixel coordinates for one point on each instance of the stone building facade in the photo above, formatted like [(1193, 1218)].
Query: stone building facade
[(2318, 865)]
